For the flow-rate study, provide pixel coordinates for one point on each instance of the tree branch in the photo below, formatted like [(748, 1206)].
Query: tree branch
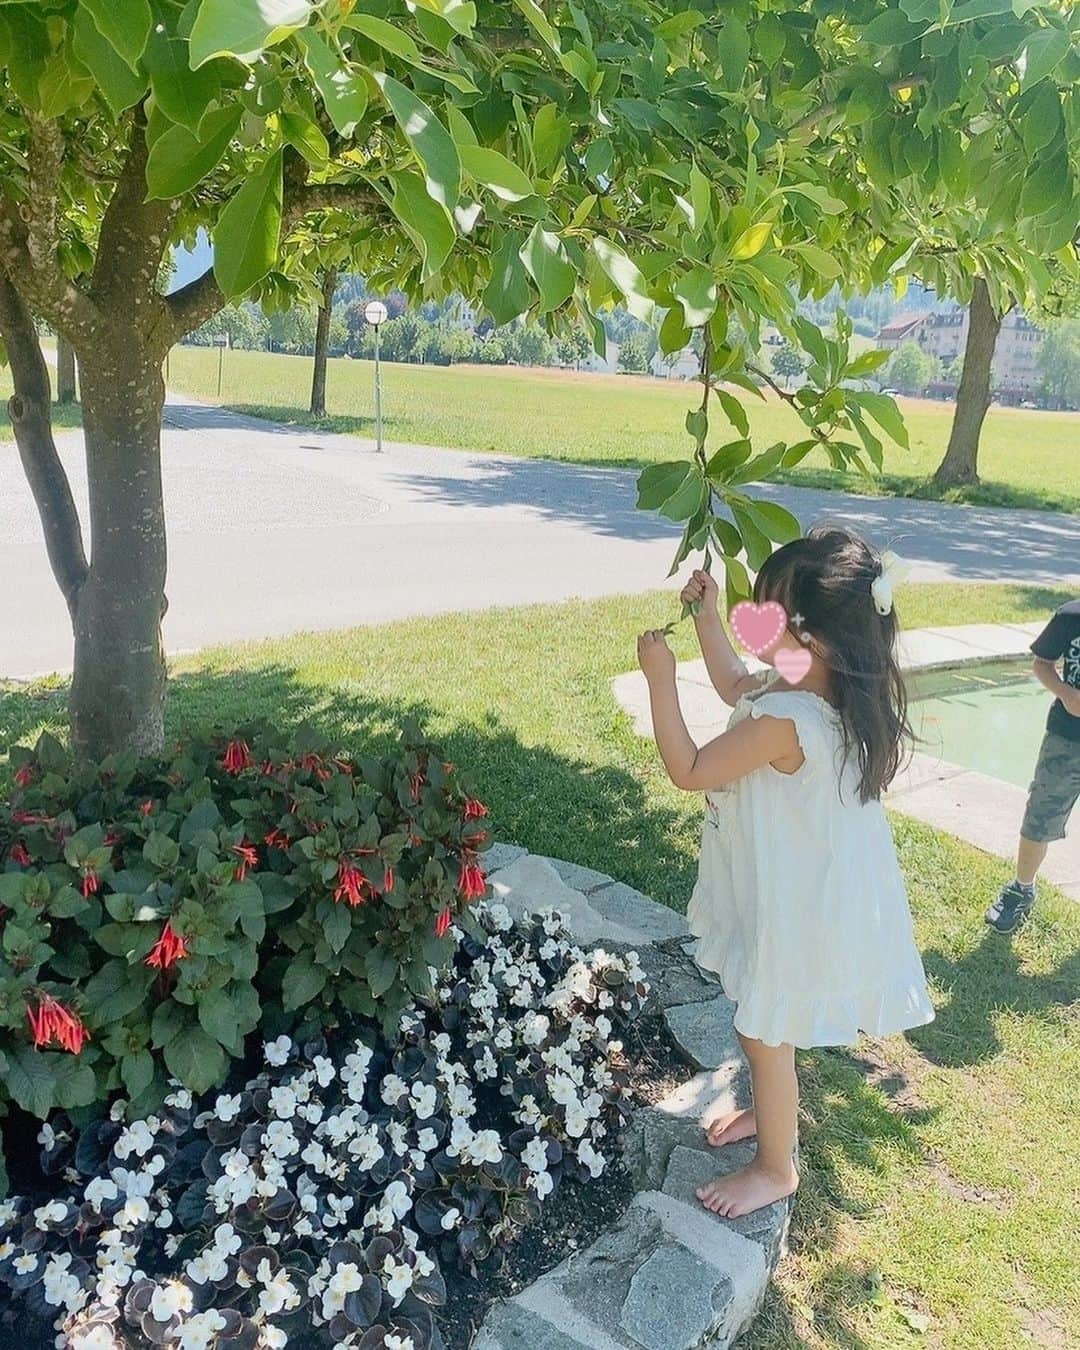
[(310, 197), (32, 422), (193, 304), (828, 109)]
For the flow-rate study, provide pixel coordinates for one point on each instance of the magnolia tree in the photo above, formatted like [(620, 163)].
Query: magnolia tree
[(548, 158)]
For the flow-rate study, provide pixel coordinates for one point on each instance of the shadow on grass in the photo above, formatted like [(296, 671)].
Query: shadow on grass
[(989, 493)]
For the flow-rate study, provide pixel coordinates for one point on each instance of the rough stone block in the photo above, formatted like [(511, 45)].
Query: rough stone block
[(688, 1168), (532, 883), (583, 879), (675, 1301), (499, 856), (704, 1032), (623, 905), (510, 1326)]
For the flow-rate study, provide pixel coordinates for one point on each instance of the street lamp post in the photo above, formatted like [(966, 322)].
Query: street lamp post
[(375, 314)]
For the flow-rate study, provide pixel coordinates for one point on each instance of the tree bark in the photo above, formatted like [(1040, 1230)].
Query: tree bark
[(960, 466), (322, 341), (118, 686), (65, 371), (29, 409)]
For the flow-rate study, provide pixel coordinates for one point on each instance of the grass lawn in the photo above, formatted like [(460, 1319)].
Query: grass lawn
[(69, 415), (940, 1169), (1027, 458)]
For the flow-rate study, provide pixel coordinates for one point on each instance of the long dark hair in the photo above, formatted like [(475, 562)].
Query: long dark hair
[(825, 577)]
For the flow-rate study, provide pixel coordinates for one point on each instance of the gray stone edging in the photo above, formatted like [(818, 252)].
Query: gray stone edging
[(667, 1275)]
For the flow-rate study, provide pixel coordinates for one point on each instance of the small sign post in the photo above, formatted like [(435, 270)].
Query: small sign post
[(221, 341), (375, 314)]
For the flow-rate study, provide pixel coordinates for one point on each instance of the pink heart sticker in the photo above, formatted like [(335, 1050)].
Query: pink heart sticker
[(793, 664), (758, 627)]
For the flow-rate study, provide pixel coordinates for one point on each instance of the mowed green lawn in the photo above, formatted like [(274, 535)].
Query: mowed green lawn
[(940, 1174), (1028, 458)]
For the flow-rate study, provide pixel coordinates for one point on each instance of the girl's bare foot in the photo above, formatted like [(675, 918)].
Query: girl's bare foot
[(730, 1128), (746, 1190)]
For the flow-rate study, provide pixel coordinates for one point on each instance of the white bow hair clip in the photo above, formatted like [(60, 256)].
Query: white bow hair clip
[(893, 571)]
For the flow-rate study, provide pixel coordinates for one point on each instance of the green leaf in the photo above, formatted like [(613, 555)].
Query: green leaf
[(344, 94), (160, 850), (217, 1017), (181, 93), (386, 35), (755, 542), (1044, 51), (660, 481), (302, 981), (382, 970), (496, 172), (137, 1070), (752, 240), (775, 521), (337, 926), (1042, 118), (700, 197), (178, 160), (430, 140), (168, 1021), (428, 223), (548, 263), (734, 411), (824, 201), (823, 263), (248, 231), (674, 334), (117, 989), (508, 293), (120, 86), (892, 29), (29, 1079), (885, 413), (697, 293), (688, 499), (242, 28), (459, 14), (303, 135), (733, 48), (125, 27), (727, 459), (625, 274), (196, 1059), (63, 85), (538, 20)]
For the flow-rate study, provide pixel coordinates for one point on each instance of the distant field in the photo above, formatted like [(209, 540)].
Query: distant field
[(1028, 458)]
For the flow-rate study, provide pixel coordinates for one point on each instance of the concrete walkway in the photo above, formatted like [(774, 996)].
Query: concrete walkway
[(274, 530), (982, 810)]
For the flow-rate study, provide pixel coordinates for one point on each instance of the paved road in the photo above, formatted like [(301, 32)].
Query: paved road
[(273, 531)]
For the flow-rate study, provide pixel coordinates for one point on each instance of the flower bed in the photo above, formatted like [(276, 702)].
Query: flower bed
[(319, 1200), (156, 912)]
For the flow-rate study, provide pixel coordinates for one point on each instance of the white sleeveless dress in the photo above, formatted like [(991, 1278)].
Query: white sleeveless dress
[(800, 906)]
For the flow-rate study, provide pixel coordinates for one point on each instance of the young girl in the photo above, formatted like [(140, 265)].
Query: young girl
[(799, 906)]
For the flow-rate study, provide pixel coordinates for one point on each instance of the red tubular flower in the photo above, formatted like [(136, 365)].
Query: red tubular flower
[(146, 808), (90, 883), (52, 1023), (30, 818), (474, 809), (442, 923), (24, 776), (267, 768), (473, 882), (111, 839), (388, 880), (277, 839), (416, 782), (168, 949), (351, 884), (237, 757), (248, 854), (18, 854)]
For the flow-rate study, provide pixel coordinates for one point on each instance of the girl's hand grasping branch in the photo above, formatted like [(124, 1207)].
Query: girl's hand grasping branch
[(655, 657), (702, 594)]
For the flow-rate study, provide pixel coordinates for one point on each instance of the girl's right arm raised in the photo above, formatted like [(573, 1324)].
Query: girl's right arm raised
[(728, 674)]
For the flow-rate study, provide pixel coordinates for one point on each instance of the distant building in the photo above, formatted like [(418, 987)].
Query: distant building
[(944, 335)]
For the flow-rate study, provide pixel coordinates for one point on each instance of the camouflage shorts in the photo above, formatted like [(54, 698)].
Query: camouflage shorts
[(1054, 790)]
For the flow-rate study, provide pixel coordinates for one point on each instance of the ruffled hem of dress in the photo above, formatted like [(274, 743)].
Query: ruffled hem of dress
[(811, 1023)]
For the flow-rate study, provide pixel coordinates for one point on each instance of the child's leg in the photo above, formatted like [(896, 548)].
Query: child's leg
[(772, 1173), (1029, 858)]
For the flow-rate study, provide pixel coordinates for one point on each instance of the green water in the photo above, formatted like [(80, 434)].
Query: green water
[(989, 718)]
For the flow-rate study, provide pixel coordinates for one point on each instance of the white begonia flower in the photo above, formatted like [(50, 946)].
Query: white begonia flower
[(208, 1267), (164, 1219), (393, 1089), (397, 1198), (227, 1240), (169, 1300), (280, 1140), (273, 1338), (500, 918), (425, 1100), (7, 1248), (486, 1066), (325, 1073), (543, 1183), (563, 1089), (135, 1211), (94, 1338), (588, 1157), (283, 1102), (278, 1290), (604, 1027), (441, 1044), (535, 1156), (53, 1212), (366, 1148), (529, 1113), (450, 1219), (399, 1278), (485, 1147), (460, 1100), (395, 1342), (427, 1140), (577, 1122), (138, 1138), (227, 1108), (277, 1051), (504, 1037), (9, 1212), (199, 1332)]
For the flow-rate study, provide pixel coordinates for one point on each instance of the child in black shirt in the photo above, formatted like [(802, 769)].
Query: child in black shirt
[(1056, 784)]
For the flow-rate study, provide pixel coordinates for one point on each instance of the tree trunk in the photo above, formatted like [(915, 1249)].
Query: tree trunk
[(118, 687), (65, 371), (322, 341), (31, 420), (960, 465)]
